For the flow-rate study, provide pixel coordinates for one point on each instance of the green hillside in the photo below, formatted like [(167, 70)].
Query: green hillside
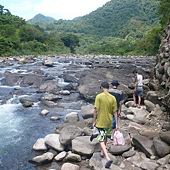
[(116, 18), (126, 27)]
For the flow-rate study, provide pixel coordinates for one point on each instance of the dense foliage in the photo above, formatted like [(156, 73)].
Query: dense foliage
[(126, 27), (164, 12)]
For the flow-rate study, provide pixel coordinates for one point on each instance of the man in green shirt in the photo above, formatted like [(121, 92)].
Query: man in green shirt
[(104, 108)]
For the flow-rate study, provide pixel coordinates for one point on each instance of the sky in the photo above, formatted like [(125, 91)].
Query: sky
[(58, 9)]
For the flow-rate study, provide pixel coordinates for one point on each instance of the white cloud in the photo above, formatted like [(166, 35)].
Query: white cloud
[(58, 9)]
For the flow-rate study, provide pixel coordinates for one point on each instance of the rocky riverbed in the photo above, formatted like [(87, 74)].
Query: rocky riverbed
[(73, 86)]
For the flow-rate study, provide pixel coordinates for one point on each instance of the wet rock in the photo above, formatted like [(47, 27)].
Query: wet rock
[(26, 101)]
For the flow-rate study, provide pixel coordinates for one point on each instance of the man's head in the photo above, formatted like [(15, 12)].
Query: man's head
[(105, 85), (115, 83), (135, 72)]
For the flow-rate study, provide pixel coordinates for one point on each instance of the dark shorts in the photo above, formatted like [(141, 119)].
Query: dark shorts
[(139, 91), (113, 123)]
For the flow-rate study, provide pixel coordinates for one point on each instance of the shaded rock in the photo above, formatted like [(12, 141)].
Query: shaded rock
[(42, 159), (68, 78), (49, 86), (149, 105), (153, 97), (118, 150), (26, 101), (128, 153), (144, 144), (165, 136), (161, 147)]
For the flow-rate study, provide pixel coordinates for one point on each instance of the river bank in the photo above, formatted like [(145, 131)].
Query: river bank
[(59, 84)]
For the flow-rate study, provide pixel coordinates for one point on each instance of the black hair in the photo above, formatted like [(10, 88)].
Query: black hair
[(135, 71)]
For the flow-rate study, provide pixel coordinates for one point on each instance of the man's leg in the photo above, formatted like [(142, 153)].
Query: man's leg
[(134, 99), (139, 101), (104, 150)]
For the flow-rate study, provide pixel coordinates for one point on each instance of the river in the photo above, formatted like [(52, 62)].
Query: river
[(21, 127)]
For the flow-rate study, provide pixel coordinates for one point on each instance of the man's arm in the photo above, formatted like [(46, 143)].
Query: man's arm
[(95, 116)]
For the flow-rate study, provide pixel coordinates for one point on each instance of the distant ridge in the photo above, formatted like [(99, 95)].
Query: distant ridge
[(39, 18)]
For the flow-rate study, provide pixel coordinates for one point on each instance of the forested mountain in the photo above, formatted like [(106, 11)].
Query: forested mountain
[(116, 18), (126, 27), (39, 18)]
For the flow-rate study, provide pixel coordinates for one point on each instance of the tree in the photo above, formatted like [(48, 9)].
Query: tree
[(71, 41), (164, 12), (4, 11)]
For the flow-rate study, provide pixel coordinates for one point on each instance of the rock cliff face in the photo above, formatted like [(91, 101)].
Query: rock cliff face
[(162, 69)]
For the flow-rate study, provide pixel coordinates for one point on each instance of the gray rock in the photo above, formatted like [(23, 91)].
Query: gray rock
[(26, 101), (83, 146), (128, 153), (98, 163), (40, 145), (165, 136), (161, 147), (68, 133), (87, 111), (149, 105), (144, 144), (72, 157), (148, 165), (42, 159), (164, 160), (52, 140), (71, 118), (70, 166), (118, 150)]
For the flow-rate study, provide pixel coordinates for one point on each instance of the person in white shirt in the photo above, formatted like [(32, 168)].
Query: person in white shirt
[(138, 90)]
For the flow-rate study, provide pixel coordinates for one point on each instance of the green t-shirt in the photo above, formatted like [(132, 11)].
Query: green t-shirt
[(106, 105)]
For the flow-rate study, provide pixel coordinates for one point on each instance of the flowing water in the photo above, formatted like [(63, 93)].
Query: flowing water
[(20, 127)]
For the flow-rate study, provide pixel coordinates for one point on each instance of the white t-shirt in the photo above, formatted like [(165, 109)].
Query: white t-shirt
[(139, 79)]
